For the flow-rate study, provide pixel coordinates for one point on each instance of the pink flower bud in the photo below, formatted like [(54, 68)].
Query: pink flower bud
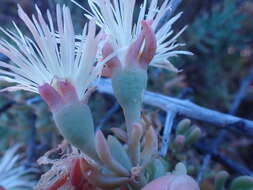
[(51, 97), (65, 93), (140, 52)]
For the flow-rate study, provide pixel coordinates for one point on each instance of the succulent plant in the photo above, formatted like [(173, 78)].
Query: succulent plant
[(64, 69)]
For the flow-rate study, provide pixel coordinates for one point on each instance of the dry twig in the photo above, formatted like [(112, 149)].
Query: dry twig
[(217, 141), (167, 133), (188, 109)]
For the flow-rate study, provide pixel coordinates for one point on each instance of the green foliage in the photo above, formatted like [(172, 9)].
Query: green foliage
[(215, 30), (220, 180), (242, 183), (157, 168), (215, 39), (186, 134), (118, 152)]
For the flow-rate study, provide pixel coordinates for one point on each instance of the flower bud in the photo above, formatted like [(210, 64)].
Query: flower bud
[(76, 125), (129, 73), (72, 117), (128, 86)]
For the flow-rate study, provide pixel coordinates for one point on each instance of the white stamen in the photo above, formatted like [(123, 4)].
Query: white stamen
[(116, 18), (50, 54)]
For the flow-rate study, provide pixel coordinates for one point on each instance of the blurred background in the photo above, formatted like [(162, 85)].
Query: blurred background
[(219, 33)]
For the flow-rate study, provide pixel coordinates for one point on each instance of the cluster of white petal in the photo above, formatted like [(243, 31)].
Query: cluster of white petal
[(12, 176), (55, 53), (51, 54), (117, 19)]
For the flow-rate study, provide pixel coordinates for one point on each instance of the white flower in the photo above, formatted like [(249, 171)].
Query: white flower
[(12, 176), (51, 54), (116, 18)]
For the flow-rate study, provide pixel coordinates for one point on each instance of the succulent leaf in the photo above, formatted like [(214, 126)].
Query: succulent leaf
[(183, 126), (150, 148), (157, 169), (105, 155), (118, 152), (242, 183), (120, 134), (220, 180), (134, 144), (193, 135)]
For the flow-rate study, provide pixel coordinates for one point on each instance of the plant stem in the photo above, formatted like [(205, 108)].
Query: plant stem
[(132, 115)]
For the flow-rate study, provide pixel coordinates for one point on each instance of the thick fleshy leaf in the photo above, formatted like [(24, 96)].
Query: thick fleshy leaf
[(150, 147), (119, 152), (220, 180), (76, 176), (242, 183), (134, 144), (105, 155), (183, 126), (193, 135), (120, 134)]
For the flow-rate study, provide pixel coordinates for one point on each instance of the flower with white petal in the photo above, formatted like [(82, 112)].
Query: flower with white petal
[(51, 55), (116, 18), (13, 176)]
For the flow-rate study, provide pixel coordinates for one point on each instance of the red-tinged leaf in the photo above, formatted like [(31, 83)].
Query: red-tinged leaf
[(76, 176), (86, 186), (51, 97), (68, 91), (123, 187), (134, 144), (60, 182), (112, 63), (79, 188), (150, 44)]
